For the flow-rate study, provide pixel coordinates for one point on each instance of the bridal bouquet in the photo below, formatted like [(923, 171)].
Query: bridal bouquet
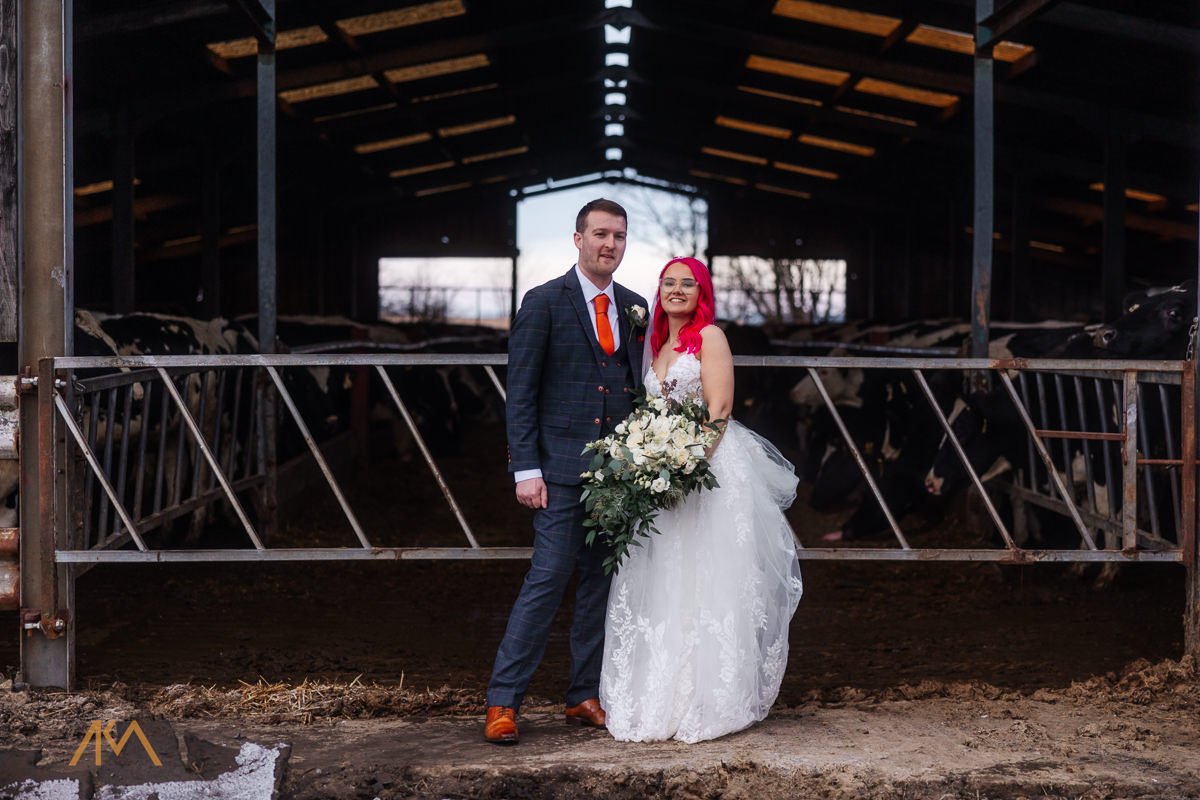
[(652, 460)]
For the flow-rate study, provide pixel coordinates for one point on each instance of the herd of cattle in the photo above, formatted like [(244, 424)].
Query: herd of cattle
[(885, 411), (889, 417)]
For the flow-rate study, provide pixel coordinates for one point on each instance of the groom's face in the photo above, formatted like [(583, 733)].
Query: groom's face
[(601, 246)]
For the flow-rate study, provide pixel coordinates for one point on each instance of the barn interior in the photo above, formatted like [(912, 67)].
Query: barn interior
[(813, 130), (845, 130)]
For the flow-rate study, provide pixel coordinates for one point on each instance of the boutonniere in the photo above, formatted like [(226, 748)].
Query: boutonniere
[(637, 316)]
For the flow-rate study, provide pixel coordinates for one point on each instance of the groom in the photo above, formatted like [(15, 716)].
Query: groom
[(573, 363)]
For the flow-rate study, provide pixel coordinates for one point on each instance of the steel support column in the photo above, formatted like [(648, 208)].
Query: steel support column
[(267, 283), (1191, 540), (8, 173), (1113, 253), (267, 105), (984, 183), (45, 196), (513, 297)]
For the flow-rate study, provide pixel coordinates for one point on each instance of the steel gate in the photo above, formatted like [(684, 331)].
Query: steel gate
[(155, 439)]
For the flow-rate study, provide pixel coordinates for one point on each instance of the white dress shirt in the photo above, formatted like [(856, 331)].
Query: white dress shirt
[(589, 296)]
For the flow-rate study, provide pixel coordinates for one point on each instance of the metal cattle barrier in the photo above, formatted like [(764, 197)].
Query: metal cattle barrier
[(166, 437)]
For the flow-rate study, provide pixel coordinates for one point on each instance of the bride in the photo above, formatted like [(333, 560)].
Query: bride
[(696, 635)]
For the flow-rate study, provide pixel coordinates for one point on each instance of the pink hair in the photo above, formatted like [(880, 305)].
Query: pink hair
[(705, 313)]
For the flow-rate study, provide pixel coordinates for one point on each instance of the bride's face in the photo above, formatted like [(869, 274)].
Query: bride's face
[(678, 291)]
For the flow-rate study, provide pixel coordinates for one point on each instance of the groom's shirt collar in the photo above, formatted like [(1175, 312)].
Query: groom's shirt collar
[(590, 291)]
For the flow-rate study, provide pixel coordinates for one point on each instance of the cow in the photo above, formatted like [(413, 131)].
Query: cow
[(904, 450), (892, 424), (439, 399), (1157, 323)]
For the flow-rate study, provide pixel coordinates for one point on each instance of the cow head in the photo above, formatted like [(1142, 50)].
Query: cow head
[(1155, 324), (979, 425)]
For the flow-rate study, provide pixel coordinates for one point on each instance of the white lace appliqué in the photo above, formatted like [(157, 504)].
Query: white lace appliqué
[(696, 633)]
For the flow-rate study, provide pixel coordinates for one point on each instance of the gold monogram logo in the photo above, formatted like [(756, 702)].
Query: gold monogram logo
[(103, 732)]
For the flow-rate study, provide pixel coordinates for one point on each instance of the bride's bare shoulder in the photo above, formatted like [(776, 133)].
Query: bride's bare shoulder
[(713, 342)]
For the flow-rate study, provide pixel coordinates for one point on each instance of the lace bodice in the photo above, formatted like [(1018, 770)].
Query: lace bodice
[(682, 379)]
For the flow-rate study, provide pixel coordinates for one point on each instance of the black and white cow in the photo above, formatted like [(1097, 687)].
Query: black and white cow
[(896, 422), (1156, 324), (440, 399)]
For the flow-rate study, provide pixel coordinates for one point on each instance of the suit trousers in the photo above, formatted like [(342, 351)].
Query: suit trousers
[(559, 550)]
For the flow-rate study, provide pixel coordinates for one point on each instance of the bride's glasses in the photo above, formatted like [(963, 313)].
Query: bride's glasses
[(687, 284)]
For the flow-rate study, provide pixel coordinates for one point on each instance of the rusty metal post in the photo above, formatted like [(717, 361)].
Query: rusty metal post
[(267, 277), (44, 188), (10, 568), (1189, 429), (8, 173), (1129, 465), (985, 193), (513, 297)]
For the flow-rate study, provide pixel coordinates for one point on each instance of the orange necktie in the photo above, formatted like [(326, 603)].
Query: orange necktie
[(603, 329)]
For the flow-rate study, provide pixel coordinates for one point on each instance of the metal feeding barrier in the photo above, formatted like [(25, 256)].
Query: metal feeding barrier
[(167, 437)]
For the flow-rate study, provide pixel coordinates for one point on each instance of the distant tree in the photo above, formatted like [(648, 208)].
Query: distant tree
[(675, 222), (780, 290), (416, 299)]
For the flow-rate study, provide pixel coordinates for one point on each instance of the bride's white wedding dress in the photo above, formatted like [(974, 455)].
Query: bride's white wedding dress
[(696, 636)]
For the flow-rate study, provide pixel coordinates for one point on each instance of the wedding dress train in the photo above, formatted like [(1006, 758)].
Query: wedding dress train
[(696, 635)]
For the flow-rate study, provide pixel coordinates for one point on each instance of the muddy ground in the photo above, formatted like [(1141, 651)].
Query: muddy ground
[(904, 680)]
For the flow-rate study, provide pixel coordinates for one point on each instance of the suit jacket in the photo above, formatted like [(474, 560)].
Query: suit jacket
[(563, 389)]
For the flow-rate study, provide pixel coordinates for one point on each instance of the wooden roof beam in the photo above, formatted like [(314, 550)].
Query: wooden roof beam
[(1092, 19), (1093, 213), (1079, 16), (781, 110), (1149, 126), (522, 35)]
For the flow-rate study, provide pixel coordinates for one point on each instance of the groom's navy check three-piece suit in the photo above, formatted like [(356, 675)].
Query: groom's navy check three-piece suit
[(563, 392)]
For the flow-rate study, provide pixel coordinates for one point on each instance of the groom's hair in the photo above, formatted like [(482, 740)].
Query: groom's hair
[(599, 204)]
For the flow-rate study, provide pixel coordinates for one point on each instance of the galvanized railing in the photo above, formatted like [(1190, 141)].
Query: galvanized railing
[(142, 463), (191, 417)]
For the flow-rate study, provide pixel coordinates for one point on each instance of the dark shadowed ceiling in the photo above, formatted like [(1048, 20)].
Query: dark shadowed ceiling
[(800, 121)]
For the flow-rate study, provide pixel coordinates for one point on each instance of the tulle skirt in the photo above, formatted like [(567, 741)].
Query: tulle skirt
[(696, 635)]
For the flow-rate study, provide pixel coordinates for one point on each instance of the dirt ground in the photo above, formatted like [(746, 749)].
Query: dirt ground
[(904, 680)]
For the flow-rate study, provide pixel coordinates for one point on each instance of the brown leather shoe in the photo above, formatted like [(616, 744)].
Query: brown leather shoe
[(501, 726), (588, 712)]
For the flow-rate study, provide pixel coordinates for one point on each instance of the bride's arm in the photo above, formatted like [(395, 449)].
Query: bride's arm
[(716, 374)]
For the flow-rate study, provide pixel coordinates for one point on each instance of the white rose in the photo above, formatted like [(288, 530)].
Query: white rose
[(689, 468), (620, 428), (658, 486), (697, 451)]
